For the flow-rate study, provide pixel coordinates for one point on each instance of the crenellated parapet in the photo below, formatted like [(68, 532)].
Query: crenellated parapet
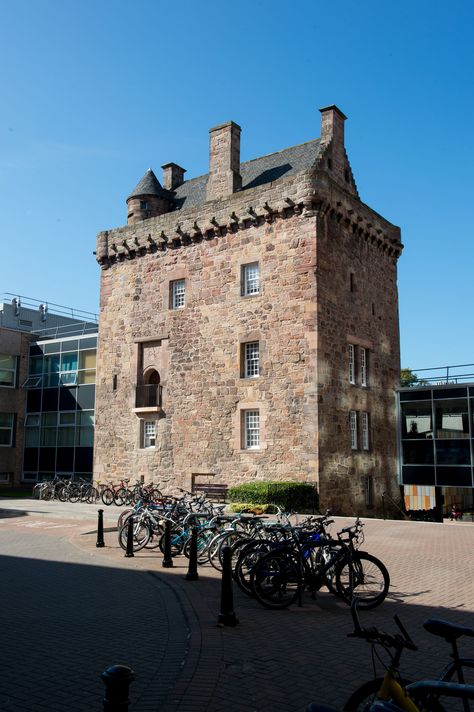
[(309, 195)]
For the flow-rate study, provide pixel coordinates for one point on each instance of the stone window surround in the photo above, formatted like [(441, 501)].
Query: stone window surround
[(142, 435), (368, 347), (354, 437), (177, 273), (249, 259), (365, 427), (238, 429), (250, 337)]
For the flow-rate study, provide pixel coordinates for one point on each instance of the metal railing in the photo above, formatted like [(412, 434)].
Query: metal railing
[(442, 375), (150, 396)]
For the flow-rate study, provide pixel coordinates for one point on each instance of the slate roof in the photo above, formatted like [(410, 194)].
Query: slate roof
[(259, 171), (150, 185)]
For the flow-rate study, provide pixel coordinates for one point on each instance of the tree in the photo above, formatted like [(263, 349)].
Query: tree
[(408, 378)]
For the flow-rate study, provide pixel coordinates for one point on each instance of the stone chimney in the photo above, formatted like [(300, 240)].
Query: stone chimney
[(173, 176), (332, 125), (224, 161), (332, 133)]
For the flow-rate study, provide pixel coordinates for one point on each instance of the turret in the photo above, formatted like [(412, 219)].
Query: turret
[(148, 200)]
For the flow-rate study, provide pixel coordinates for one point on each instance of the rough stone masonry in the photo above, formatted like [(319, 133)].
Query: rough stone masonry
[(249, 326)]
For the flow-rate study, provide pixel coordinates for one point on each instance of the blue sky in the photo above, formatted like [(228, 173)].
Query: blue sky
[(94, 93)]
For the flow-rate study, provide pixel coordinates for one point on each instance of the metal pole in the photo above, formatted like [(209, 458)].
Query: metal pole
[(167, 562), (227, 615), (130, 524), (192, 574), (100, 530)]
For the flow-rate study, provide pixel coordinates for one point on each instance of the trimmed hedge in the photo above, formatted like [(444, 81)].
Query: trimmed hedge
[(298, 496)]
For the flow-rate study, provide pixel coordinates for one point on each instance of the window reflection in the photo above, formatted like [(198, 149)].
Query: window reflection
[(452, 419), (417, 420)]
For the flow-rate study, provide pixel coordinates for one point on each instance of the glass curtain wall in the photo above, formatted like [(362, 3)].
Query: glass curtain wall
[(59, 422), (436, 436)]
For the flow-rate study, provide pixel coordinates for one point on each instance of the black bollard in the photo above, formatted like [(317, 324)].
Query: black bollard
[(117, 680), (167, 562), (227, 615), (129, 551), (192, 574), (100, 530)]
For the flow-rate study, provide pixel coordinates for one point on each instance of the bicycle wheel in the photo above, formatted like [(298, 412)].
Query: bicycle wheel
[(92, 495), (74, 494), (248, 557), (204, 539), (141, 535), (215, 550), (107, 496), (362, 699), (364, 577), (121, 496), (276, 579)]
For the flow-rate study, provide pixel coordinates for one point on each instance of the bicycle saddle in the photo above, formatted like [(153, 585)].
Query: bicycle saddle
[(446, 630)]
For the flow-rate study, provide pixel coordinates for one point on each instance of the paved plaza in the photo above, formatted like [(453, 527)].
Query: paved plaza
[(69, 610)]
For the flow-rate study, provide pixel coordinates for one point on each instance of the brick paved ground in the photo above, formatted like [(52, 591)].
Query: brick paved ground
[(70, 609)]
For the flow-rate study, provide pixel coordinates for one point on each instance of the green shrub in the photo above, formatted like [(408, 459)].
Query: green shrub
[(298, 496), (241, 507)]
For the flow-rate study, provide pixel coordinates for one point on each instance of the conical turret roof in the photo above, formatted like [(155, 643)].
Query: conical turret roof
[(149, 185)]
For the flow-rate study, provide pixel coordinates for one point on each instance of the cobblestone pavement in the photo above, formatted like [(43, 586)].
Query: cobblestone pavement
[(69, 610)]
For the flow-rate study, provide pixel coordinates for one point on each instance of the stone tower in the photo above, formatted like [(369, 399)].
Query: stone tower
[(249, 326)]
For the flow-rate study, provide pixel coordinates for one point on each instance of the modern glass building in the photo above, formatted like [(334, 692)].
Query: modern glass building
[(436, 442), (60, 402)]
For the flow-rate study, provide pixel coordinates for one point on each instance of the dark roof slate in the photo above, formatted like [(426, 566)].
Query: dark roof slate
[(150, 185), (259, 171)]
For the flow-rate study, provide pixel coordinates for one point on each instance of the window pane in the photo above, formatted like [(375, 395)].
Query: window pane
[(452, 420), (32, 437), (418, 452), (252, 359), (7, 370), (85, 437), (36, 365), (252, 429), (86, 377), (351, 364), (251, 279), (69, 361), (86, 417), (48, 437), (67, 418), (5, 436), (417, 420), (178, 289), (453, 452), (6, 420), (87, 359), (65, 436)]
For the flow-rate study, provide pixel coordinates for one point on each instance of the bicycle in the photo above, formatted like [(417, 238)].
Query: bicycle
[(395, 691), (279, 577)]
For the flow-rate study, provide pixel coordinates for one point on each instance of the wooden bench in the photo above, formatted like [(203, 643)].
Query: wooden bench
[(213, 491)]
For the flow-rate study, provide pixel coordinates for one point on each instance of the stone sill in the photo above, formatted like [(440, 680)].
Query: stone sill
[(149, 409)]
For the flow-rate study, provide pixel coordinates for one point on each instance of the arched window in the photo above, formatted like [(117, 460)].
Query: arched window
[(151, 377)]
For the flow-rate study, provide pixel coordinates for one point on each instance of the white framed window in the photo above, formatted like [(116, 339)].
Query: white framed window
[(363, 366), (365, 431), (8, 370), (251, 425), (250, 279), (178, 290), (251, 359), (6, 429), (4, 477), (149, 434), (352, 364), (353, 424)]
